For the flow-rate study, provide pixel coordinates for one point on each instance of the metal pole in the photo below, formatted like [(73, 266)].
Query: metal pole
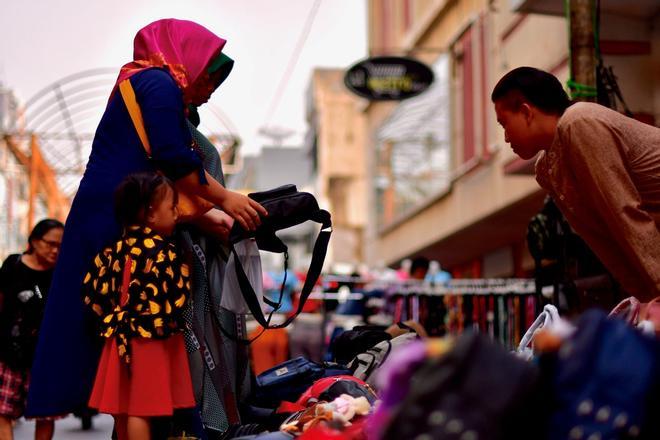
[(33, 182), (583, 53)]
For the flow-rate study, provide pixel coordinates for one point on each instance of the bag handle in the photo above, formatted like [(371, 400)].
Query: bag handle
[(644, 314), (628, 310), (547, 317), (313, 273), (128, 95)]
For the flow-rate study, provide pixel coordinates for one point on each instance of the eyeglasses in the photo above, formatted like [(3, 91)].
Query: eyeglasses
[(51, 244)]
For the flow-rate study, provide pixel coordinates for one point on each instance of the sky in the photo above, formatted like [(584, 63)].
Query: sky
[(42, 41)]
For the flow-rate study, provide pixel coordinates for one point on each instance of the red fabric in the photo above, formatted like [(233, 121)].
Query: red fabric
[(182, 47), (311, 305), (354, 432), (158, 381), (14, 385), (314, 391), (125, 281), (13, 391)]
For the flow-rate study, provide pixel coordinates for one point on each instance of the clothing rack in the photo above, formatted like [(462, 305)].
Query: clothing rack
[(462, 286), (513, 286), (503, 308)]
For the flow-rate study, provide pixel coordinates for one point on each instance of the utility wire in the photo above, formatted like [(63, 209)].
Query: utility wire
[(292, 61)]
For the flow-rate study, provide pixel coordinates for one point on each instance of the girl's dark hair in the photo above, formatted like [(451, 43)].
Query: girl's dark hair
[(42, 228), (136, 193), (541, 89)]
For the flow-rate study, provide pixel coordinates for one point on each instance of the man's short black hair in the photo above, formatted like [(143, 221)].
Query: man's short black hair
[(539, 88), (136, 193)]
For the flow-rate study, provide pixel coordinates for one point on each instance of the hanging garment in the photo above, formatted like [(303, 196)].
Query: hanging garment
[(491, 317), (511, 322), (517, 333), (483, 313), (436, 318), (398, 308), (502, 319), (530, 310), (460, 316), (472, 313), (415, 308)]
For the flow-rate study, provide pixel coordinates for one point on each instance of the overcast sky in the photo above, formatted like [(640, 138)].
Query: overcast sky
[(45, 40)]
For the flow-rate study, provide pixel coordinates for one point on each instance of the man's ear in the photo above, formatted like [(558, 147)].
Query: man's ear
[(527, 111)]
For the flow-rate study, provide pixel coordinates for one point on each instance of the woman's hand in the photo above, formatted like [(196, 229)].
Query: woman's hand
[(243, 209), (216, 223)]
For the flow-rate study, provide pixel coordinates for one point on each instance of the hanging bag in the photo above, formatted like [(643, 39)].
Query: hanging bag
[(190, 206), (286, 207)]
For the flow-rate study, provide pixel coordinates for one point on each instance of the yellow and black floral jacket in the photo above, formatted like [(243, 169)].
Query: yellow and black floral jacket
[(158, 287)]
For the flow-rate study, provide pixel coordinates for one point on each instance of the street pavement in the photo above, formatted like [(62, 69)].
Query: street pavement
[(69, 429)]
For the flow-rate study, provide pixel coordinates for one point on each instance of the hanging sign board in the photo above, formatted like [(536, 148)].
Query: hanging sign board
[(388, 78)]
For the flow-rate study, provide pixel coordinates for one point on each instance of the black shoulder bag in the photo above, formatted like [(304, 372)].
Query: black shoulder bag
[(286, 207)]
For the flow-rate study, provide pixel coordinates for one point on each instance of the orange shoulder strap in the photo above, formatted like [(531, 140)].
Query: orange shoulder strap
[(128, 94)]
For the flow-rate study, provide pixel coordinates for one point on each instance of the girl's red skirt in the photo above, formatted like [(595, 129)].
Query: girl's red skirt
[(156, 382)]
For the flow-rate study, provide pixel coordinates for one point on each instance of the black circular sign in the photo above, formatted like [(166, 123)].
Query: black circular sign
[(388, 78)]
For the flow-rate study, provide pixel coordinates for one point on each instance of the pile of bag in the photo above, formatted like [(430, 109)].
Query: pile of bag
[(595, 378)]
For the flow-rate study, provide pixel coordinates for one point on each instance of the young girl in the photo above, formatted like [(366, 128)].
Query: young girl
[(138, 288)]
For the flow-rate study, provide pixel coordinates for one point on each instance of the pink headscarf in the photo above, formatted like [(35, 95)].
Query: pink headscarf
[(183, 47)]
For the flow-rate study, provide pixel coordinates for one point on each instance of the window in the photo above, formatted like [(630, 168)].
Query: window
[(413, 150), (471, 92), (466, 99)]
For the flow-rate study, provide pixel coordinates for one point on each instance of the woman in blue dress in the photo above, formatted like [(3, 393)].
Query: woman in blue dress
[(177, 64)]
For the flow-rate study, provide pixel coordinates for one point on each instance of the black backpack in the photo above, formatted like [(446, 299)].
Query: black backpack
[(361, 338), (547, 233)]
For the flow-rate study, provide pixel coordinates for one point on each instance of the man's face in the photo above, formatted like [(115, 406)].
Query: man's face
[(518, 129)]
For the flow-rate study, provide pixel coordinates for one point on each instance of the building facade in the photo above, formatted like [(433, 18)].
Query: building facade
[(336, 142)]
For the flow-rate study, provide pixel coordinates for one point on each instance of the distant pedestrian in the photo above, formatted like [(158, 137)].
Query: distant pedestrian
[(24, 283), (138, 288)]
